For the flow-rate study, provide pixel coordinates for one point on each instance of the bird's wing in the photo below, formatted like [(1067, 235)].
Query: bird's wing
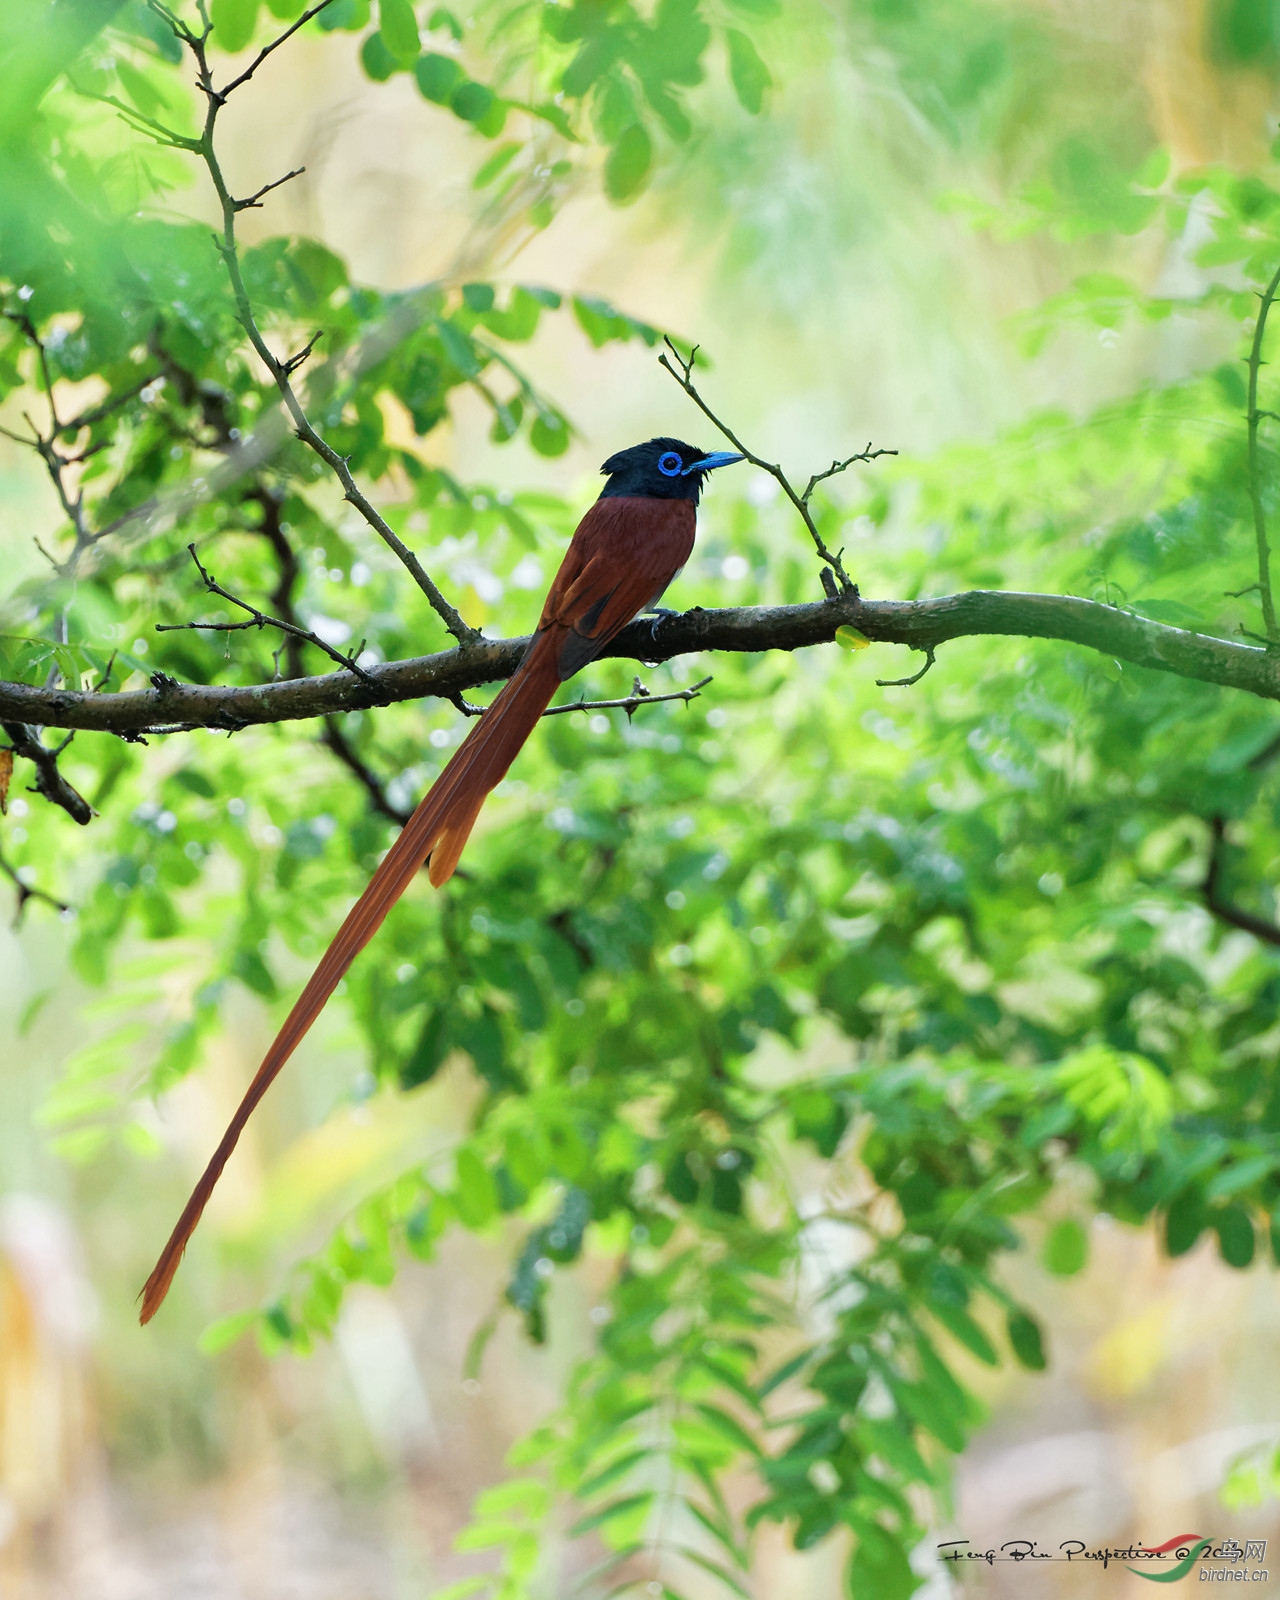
[(625, 552)]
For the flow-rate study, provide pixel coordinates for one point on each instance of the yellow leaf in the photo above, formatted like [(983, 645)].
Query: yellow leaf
[(850, 639)]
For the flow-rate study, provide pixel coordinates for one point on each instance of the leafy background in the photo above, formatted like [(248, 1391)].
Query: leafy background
[(807, 1087)]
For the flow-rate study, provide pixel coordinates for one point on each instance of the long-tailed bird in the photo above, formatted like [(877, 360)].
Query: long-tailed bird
[(625, 551)]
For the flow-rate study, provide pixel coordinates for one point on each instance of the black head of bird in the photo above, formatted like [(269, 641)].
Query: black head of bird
[(662, 469)]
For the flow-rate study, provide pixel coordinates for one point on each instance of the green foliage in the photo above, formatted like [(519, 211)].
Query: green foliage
[(978, 903)]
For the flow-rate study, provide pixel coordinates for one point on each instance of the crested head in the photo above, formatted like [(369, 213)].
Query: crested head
[(662, 469)]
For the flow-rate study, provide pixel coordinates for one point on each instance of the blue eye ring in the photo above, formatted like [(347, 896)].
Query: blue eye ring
[(670, 464)]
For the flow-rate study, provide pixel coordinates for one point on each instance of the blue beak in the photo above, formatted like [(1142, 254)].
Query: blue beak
[(717, 458)]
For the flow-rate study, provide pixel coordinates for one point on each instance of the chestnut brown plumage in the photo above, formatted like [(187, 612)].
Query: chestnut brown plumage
[(625, 552)]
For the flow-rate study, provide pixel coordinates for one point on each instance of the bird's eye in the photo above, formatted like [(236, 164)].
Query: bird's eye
[(670, 464)]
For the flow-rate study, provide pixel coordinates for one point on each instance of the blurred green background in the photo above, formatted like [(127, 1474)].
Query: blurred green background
[(812, 1018)]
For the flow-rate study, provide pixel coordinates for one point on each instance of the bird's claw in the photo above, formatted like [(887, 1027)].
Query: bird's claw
[(658, 613)]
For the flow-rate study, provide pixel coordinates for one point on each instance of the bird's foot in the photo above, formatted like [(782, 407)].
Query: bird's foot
[(658, 613)]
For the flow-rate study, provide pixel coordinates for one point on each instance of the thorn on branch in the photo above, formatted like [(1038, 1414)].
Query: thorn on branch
[(905, 683)]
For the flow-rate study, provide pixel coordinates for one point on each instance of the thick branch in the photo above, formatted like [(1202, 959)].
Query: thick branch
[(918, 623)]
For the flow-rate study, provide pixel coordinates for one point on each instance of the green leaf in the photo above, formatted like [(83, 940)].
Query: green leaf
[(627, 166), (962, 1326), (226, 1330), (437, 76), (1066, 1247), (349, 15), (477, 1195), (1236, 1239), (615, 1509), (1026, 1341), (463, 1588), (377, 61), (472, 102), (611, 1473), (496, 165), (879, 1566), (398, 30), (549, 435), (233, 23), (1185, 1221), (748, 74), (729, 1426)]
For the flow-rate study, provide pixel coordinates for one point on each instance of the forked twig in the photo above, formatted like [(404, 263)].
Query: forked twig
[(682, 372), (259, 619), (281, 370)]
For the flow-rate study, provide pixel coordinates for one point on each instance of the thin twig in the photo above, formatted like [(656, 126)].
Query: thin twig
[(905, 683), (28, 891), (335, 738), (639, 696), (254, 202), (280, 370), (1253, 417), (230, 88), (1215, 898), (684, 378), (259, 619)]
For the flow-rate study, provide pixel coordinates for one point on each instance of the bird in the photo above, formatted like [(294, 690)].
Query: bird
[(626, 550)]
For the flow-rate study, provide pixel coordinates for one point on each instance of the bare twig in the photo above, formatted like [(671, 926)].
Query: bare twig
[(281, 370), (335, 737), (49, 781), (905, 683), (254, 202), (639, 696), (283, 38), (682, 372), (259, 619), (28, 891), (1215, 897), (1253, 418)]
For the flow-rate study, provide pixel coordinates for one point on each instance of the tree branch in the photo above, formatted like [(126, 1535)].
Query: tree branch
[(259, 619), (49, 781), (335, 737), (917, 623), (28, 891), (281, 370), (684, 377), (1215, 897), (1253, 418)]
